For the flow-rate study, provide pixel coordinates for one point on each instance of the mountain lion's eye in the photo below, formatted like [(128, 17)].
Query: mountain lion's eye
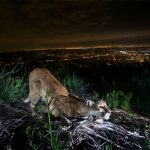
[(104, 108)]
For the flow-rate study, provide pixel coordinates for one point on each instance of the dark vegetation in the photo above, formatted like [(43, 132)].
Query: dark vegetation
[(122, 82), (125, 87)]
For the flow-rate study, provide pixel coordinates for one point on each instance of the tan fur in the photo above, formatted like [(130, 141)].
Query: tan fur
[(43, 84), (72, 106)]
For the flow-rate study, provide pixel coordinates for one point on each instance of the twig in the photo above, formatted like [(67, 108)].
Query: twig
[(13, 71), (10, 124), (96, 134)]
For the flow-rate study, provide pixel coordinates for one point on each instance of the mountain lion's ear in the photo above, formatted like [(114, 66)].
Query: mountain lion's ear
[(102, 100)]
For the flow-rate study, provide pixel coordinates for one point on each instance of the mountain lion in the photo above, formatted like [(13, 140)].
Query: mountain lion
[(73, 106), (42, 84)]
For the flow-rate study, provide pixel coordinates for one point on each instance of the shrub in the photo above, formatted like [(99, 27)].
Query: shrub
[(94, 96), (113, 99), (11, 88), (74, 84), (118, 99), (43, 135), (125, 103), (107, 147), (44, 132)]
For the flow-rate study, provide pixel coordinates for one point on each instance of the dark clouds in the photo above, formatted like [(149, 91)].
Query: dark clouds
[(74, 13), (43, 17), (55, 13)]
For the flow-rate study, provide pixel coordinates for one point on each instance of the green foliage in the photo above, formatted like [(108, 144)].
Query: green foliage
[(147, 145), (74, 84), (53, 138), (44, 133), (11, 88), (147, 140), (112, 99), (33, 142), (107, 147), (118, 99), (125, 104), (94, 96)]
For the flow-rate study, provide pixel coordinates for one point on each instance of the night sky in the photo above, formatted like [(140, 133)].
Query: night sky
[(71, 23)]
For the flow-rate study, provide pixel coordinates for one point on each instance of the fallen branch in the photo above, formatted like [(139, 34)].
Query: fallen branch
[(96, 135), (7, 125)]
